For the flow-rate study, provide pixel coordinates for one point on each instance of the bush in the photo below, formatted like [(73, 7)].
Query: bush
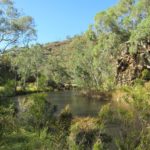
[(40, 112), (98, 145), (7, 121), (83, 134), (145, 74), (42, 82), (65, 118), (128, 125), (9, 88), (106, 115)]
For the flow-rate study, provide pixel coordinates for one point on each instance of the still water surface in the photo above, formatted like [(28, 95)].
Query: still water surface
[(80, 106)]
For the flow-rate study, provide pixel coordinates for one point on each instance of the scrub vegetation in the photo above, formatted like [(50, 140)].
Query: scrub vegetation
[(86, 62)]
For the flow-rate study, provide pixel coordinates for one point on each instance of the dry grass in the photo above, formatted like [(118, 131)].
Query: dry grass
[(85, 123)]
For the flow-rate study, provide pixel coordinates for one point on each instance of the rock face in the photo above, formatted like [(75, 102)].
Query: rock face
[(133, 66)]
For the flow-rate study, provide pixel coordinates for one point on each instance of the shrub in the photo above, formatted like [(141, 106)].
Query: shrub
[(7, 121), (83, 134), (145, 74), (9, 88), (65, 118), (98, 145), (40, 112)]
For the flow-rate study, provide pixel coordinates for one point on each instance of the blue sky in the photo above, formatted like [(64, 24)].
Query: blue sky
[(57, 19)]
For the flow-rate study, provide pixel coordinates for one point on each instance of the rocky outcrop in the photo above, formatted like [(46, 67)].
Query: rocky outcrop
[(133, 66), (54, 46)]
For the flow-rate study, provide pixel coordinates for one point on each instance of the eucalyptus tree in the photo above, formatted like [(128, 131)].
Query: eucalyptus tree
[(20, 63), (122, 21), (85, 70), (29, 62), (38, 60), (15, 28)]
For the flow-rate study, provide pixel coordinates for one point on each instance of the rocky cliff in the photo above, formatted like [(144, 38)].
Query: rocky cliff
[(133, 66)]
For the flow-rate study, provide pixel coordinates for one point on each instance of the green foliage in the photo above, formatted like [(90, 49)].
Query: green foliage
[(28, 62), (145, 140), (106, 115), (14, 28), (35, 127), (87, 60), (7, 122), (98, 145), (139, 81), (145, 74), (129, 126), (83, 140), (83, 134), (40, 112), (42, 83), (5, 69), (8, 88), (65, 119)]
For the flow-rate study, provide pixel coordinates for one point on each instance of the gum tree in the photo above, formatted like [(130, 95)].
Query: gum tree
[(14, 27)]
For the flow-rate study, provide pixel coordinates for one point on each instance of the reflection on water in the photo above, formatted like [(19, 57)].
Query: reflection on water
[(80, 106)]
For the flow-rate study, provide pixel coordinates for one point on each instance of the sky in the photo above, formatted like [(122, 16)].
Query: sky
[(57, 19)]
